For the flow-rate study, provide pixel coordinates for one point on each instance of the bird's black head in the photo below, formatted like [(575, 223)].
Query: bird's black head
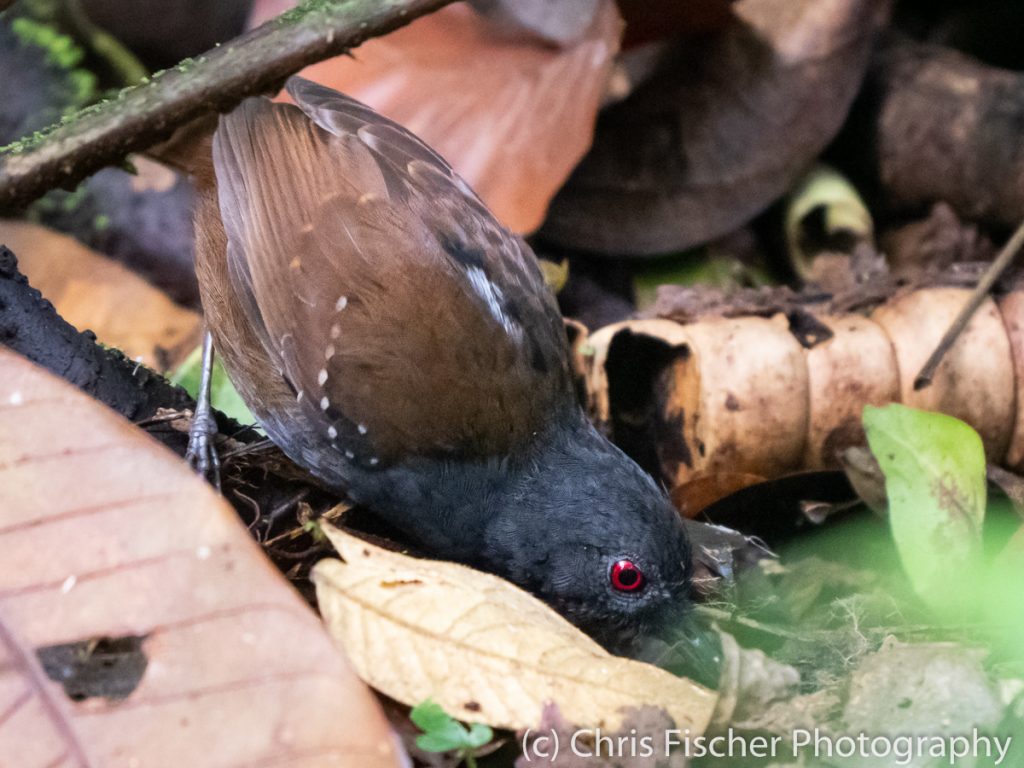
[(588, 531)]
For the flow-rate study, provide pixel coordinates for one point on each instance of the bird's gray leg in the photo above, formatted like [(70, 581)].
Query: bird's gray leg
[(202, 454)]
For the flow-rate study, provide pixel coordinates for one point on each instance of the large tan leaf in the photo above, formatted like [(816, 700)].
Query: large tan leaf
[(94, 292), (109, 540), (483, 649)]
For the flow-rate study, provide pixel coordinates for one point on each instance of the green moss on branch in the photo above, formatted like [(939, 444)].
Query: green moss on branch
[(255, 63)]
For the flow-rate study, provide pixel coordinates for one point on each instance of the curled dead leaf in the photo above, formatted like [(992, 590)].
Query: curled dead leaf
[(977, 387), (757, 395), (942, 126), (751, 680), (483, 649)]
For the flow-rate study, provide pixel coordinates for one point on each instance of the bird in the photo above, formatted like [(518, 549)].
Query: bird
[(393, 338)]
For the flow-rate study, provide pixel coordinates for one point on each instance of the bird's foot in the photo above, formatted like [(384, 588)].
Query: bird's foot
[(202, 453)]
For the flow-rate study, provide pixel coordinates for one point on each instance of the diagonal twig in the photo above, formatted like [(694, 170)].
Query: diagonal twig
[(992, 274), (139, 117)]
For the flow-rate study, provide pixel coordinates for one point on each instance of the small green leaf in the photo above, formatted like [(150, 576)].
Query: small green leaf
[(439, 742), (713, 267), (479, 734), (428, 716), (934, 467), (443, 733), (556, 274), (314, 529)]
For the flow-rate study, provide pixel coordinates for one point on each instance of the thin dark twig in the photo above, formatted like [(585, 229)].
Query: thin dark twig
[(164, 418), (992, 274), (284, 554), (257, 512), (259, 446), (141, 116), (280, 509)]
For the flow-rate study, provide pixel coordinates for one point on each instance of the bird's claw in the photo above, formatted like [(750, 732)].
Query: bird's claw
[(202, 453)]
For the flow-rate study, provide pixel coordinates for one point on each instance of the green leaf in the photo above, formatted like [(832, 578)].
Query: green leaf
[(556, 273), (440, 742), (934, 467), (479, 734), (443, 733), (224, 396), (704, 267), (428, 716)]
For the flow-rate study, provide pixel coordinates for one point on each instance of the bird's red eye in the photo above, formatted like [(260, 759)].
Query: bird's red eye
[(626, 577)]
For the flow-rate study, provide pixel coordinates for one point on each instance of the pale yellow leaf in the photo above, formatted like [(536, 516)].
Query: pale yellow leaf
[(483, 649)]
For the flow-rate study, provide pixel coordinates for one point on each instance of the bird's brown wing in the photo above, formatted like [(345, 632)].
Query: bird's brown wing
[(405, 319)]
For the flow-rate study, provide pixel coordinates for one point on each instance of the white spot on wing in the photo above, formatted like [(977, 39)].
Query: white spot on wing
[(324, 403), (362, 429), (321, 377), (492, 296), (463, 186), (332, 432), (335, 331), (341, 303), (366, 135)]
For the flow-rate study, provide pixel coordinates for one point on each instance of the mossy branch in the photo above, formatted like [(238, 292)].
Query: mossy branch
[(257, 62)]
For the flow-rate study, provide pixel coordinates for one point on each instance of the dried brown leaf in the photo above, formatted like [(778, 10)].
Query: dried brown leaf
[(93, 292), (751, 680), (483, 649), (517, 113), (109, 542), (697, 493)]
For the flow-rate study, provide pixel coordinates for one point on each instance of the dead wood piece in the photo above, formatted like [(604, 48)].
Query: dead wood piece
[(935, 243), (944, 127)]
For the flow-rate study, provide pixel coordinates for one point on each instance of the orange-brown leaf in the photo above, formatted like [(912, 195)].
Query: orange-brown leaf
[(93, 292)]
